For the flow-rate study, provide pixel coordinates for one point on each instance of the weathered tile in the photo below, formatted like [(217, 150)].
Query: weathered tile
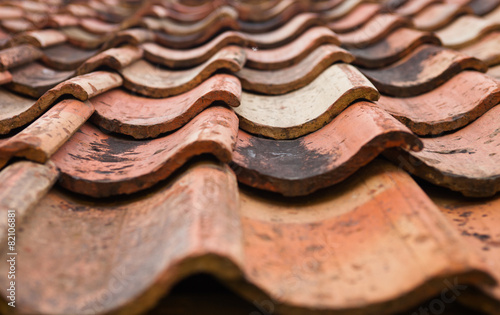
[(79, 37), (5, 77), (357, 18), (18, 55), (260, 11), (97, 26), (292, 78), (114, 58), (423, 70), (41, 38), (41, 139), (487, 49), (467, 160), (34, 79), (466, 30), (17, 25), (66, 56), (323, 158), (133, 37), (140, 117), (99, 165), (374, 245), (450, 106), (149, 243), (482, 7), (439, 15), (341, 10), (392, 48), (175, 58), (494, 72), (410, 8), (62, 20), (319, 6), (374, 31), (289, 9), (308, 109), (14, 111), (150, 80), (292, 53)]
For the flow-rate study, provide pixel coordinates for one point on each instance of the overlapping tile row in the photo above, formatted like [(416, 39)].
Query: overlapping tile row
[(169, 106)]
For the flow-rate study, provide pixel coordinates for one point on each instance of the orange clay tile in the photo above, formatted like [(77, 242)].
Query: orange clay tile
[(466, 30), (100, 165), (41, 139), (149, 243), (439, 15), (319, 6), (7, 12), (41, 38), (423, 70), (392, 48), (494, 72), (133, 37), (467, 160), (410, 8), (292, 78), (34, 79), (260, 11), (17, 25), (283, 10), (482, 7), (477, 221), (487, 49), (96, 26), (308, 109), (83, 39), (66, 56), (114, 58), (18, 55), (357, 18), (341, 10), (13, 109), (62, 20), (22, 185), (323, 158), (150, 80), (5, 77), (375, 244), (175, 58), (374, 31), (292, 53), (117, 110), (457, 102)]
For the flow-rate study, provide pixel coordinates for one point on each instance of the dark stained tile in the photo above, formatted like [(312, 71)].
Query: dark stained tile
[(482, 7), (466, 30), (307, 109), (114, 58), (289, 9), (467, 160), (66, 56), (292, 78), (323, 158), (13, 109), (457, 102), (357, 18), (79, 37), (100, 165), (147, 79), (423, 70), (292, 53), (392, 48), (18, 55), (140, 117), (439, 15), (134, 36)]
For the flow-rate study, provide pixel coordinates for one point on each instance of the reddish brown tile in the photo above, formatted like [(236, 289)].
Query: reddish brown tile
[(392, 48), (323, 158), (66, 57), (356, 19), (486, 49), (13, 111), (99, 165), (118, 111), (133, 37), (41, 38), (18, 55), (494, 72), (5, 77), (341, 10), (114, 58), (466, 30), (410, 8), (96, 26), (83, 39), (308, 109), (292, 78), (7, 12), (439, 15), (457, 102), (467, 160), (150, 80), (292, 53), (62, 20), (423, 70), (17, 25), (175, 58)]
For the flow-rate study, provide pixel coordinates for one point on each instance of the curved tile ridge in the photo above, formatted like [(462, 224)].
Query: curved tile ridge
[(466, 30), (134, 37), (486, 50), (341, 10), (40, 38), (120, 166), (175, 58), (467, 160), (450, 106), (114, 58), (356, 19), (292, 53), (117, 110), (177, 29), (292, 78), (323, 158), (264, 12), (41, 139), (374, 223), (410, 8), (150, 80), (423, 70), (308, 109), (18, 55), (439, 15), (392, 48), (374, 31)]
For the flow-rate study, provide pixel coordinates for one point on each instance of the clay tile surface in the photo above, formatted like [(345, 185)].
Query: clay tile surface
[(341, 10), (115, 58), (294, 77), (439, 15), (466, 30), (66, 56), (486, 49), (410, 8), (482, 7), (5, 77), (42, 38), (307, 109), (18, 55), (117, 166), (357, 18), (117, 109), (147, 79), (350, 141), (424, 69)]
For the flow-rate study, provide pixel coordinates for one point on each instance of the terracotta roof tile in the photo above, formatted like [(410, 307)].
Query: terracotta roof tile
[(439, 15), (5, 77), (466, 30), (482, 7), (66, 56), (18, 55), (357, 18), (343, 9), (115, 58), (486, 49), (41, 38), (410, 8)]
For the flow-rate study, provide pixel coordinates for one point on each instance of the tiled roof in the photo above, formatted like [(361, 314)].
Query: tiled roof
[(316, 157)]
